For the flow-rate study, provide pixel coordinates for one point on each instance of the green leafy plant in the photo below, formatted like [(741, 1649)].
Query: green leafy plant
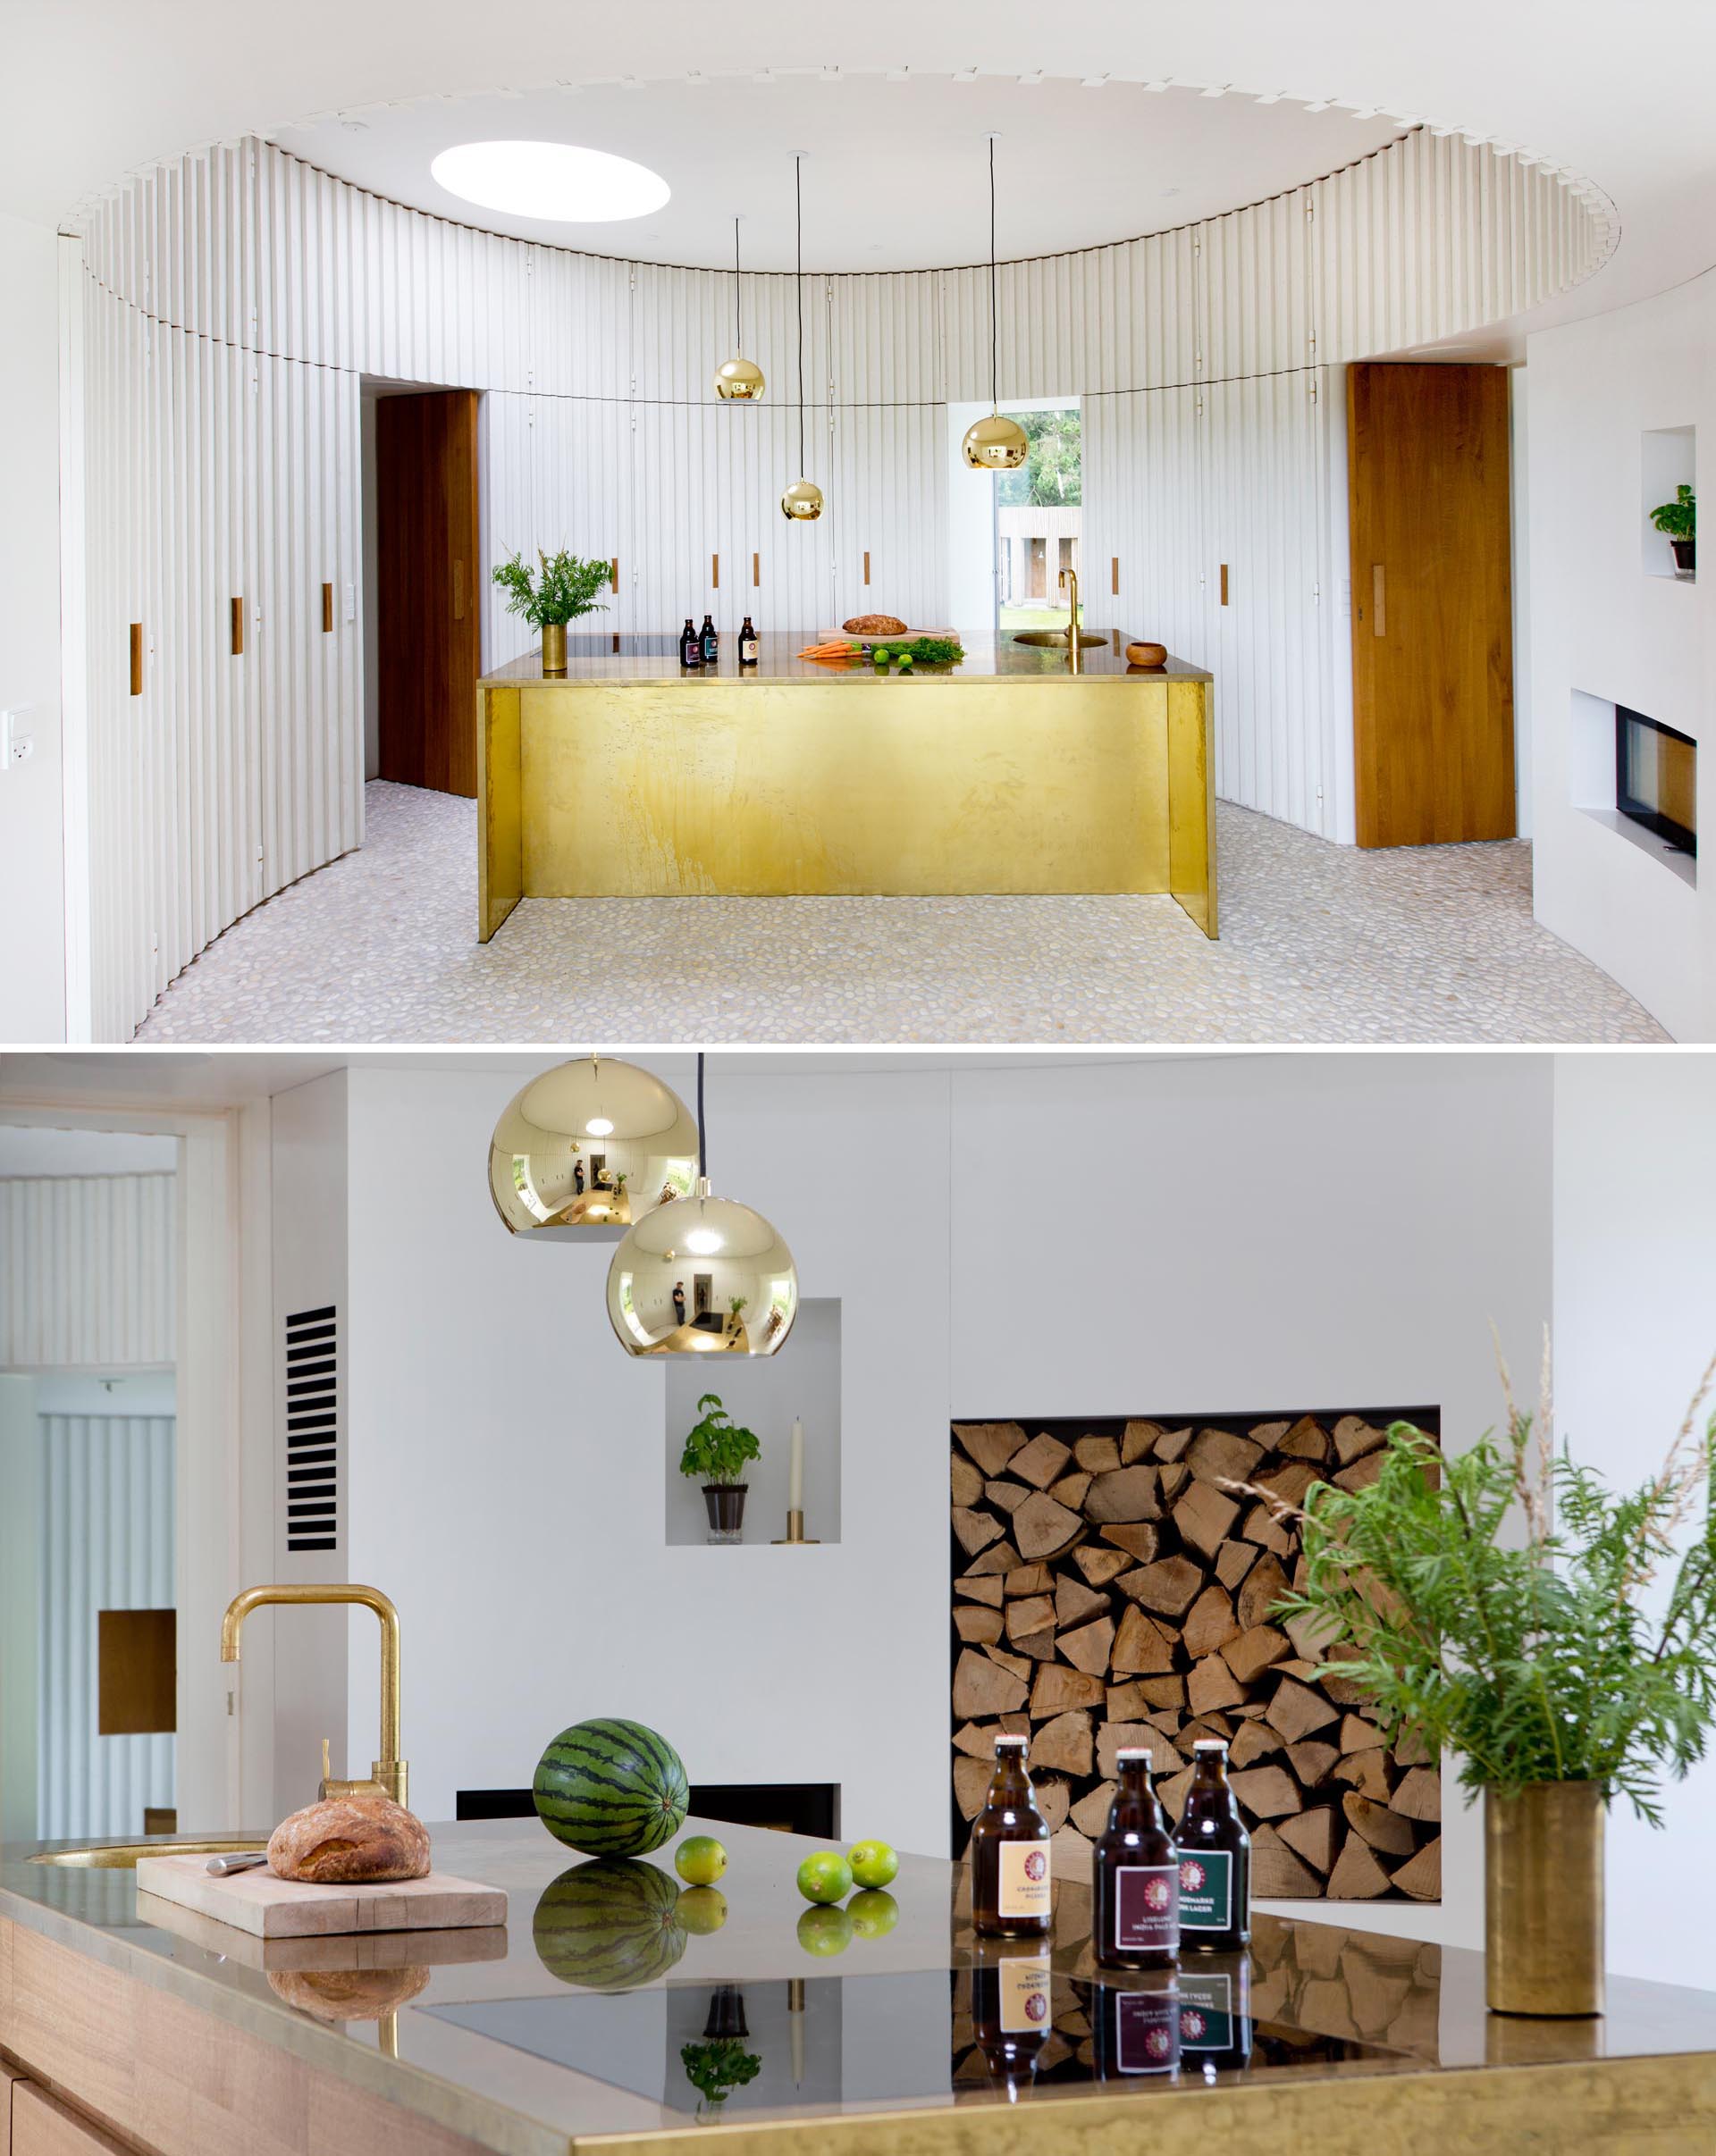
[(1504, 1603), (564, 587), (1052, 474), (718, 2066), (716, 1447), (737, 1303), (1678, 518)]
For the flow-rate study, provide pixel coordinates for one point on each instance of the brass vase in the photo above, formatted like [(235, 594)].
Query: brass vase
[(553, 647), (1543, 1899)]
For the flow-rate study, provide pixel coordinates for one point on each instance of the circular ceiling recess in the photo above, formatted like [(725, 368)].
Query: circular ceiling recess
[(550, 182), (896, 171)]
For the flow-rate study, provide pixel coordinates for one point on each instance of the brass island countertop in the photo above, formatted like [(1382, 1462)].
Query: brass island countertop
[(1011, 771), (580, 2024)]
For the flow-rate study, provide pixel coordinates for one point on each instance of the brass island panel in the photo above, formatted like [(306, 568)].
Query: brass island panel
[(1006, 775)]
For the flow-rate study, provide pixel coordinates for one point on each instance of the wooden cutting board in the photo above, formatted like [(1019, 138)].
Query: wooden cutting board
[(872, 636), (256, 1901)]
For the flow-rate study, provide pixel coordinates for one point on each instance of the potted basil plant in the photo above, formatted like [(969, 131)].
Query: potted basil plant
[(1507, 1606), (1677, 521), (716, 1450), (562, 588)]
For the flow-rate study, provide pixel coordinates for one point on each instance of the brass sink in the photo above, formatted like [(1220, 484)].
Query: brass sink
[(1054, 640), (123, 1856)]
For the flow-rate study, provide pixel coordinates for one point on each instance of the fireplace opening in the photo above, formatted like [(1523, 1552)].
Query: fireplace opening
[(1656, 779)]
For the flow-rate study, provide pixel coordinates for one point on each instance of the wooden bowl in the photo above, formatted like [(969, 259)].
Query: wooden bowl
[(1146, 655)]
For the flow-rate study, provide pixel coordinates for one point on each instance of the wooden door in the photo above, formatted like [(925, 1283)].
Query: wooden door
[(427, 561), (1431, 603)]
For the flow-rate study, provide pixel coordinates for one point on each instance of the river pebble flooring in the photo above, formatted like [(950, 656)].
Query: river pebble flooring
[(1319, 944)]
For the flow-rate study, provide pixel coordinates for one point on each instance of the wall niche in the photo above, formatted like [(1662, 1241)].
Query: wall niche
[(1107, 1590)]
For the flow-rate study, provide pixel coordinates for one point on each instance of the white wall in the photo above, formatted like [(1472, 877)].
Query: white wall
[(32, 949), (234, 300), (20, 1604), (86, 1272), (1602, 628), (1244, 1234), (1634, 1324)]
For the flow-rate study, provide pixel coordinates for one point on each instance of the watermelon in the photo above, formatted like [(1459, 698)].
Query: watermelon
[(610, 1788), (610, 1926)]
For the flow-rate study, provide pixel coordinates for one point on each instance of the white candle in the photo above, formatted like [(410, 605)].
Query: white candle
[(795, 1473)]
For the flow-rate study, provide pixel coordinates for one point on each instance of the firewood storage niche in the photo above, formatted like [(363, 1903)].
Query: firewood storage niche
[(1108, 1591)]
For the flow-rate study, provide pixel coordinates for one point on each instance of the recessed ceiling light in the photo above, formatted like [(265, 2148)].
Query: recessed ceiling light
[(556, 181)]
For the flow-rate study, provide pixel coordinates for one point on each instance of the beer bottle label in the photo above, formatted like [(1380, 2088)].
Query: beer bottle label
[(1023, 1883), (1206, 2011), (1146, 2032), (1024, 1997), (1206, 1890), (1146, 1908)]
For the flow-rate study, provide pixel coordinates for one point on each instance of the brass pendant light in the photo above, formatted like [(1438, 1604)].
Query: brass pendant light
[(738, 379), (592, 1143), (702, 1276), (802, 502), (995, 444)]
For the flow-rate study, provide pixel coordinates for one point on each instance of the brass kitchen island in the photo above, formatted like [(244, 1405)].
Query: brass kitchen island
[(1012, 772), (579, 2026)]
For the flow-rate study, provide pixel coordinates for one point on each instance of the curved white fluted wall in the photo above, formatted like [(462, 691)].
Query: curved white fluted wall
[(88, 1269), (234, 298)]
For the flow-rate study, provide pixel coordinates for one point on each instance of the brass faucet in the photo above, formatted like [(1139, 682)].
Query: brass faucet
[(1074, 649), (389, 1772)]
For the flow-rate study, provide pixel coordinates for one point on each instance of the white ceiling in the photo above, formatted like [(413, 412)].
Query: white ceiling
[(896, 173), (90, 89)]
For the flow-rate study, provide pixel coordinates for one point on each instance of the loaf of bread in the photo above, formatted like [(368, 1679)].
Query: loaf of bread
[(348, 1842), (875, 625)]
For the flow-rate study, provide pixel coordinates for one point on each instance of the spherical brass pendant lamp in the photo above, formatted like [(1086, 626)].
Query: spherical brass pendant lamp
[(702, 1276), (998, 443), (801, 501), (738, 379), (595, 1143)]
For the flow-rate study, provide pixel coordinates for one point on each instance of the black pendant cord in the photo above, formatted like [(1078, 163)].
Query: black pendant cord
[(995, 374), (703, 1142), (738, 329), (798, 204)]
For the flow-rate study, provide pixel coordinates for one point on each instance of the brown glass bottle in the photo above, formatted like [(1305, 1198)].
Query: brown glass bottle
[(1214, 1859), (1135, 1876), (1135, 2031), (1009, 1853), (1012, 2008)]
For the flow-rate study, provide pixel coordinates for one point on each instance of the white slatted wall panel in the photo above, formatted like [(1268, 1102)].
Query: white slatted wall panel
[(236, 295), (107, 1514), (86, 1272)]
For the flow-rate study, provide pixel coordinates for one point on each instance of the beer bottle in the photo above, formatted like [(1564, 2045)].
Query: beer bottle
[(711, 641), (1214, 1859), (1135, 1883), (747, 644), (1009, 1853), (691, 646), (1012, 2008), (1215, 2014), (1136, 2031)]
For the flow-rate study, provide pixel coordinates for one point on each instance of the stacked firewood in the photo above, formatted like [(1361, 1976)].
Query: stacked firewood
[(1111, 1589)]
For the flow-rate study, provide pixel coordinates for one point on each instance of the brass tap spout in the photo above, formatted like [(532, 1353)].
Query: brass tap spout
[(1075, 649), (389, 1771)]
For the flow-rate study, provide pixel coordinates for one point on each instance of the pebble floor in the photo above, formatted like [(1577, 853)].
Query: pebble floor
[(1319, 943)]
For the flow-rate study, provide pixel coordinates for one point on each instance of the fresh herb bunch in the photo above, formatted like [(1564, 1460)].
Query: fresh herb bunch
[(1558, 1659), (1678, 518), (564, 588), (716, 1447), (923, 650), (718, 2066)]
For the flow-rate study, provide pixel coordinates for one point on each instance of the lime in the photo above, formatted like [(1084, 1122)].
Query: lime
[(825, 1931), (825, 1877), (874, 1863), (873, 1912), (701, 1909), (699, 1860), (905, 658)]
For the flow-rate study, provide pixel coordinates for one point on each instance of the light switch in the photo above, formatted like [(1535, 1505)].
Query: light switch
[(351, 602)]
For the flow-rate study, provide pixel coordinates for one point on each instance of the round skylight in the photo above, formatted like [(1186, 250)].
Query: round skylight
[(556, 181)]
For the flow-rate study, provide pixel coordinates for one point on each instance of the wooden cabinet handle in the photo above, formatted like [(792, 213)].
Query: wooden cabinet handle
[(1378, 601)]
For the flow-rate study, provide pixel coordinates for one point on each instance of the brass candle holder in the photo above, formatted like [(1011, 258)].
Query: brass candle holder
[(795, 1530)]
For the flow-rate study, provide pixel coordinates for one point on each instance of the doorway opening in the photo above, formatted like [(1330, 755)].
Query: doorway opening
[(88, 1484), (423, 642), (1012, 534)]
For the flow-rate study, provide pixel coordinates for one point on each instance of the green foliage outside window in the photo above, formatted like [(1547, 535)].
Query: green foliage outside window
[(1052, 476)]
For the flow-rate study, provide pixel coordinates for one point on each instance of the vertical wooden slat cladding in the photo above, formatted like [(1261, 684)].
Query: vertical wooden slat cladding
[(1433, 609), (426, 544)]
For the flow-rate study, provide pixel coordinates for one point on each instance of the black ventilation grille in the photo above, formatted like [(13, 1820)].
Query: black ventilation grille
[(312, 1430)]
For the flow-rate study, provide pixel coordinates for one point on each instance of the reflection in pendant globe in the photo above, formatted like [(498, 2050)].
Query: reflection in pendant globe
[(995, 444), (801, 501), (739, 380)]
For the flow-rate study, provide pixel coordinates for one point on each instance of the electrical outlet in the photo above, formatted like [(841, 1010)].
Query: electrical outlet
[(17, 739)]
